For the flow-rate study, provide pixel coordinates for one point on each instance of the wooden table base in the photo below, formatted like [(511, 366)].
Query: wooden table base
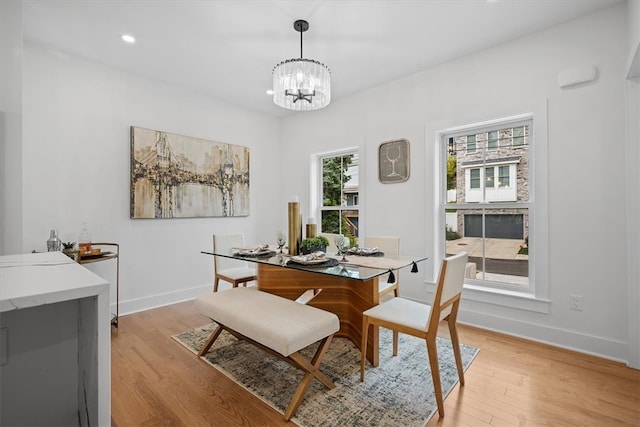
[(347, 298)]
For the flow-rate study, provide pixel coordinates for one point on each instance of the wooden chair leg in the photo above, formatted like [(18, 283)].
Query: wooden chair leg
[(363, 345), (455, 343), (216, 281), (395, 343), (214, 335), (432, 351)]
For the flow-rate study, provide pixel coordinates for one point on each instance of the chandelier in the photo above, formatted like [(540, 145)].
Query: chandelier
[(301, 84)]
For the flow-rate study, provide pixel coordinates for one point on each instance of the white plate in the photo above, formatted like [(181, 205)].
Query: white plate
[(254, 252), (303, 260)]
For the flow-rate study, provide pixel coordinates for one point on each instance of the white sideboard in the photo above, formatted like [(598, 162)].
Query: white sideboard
[(55, 348)]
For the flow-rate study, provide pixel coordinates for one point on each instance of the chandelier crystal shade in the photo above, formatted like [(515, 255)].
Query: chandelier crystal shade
[(301, 84)]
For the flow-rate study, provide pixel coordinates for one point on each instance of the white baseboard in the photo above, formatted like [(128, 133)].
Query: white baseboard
[(155, 301), (161, 300), (570, 340)]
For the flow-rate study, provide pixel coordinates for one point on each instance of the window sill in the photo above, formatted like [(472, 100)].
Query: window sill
[(505, 298)]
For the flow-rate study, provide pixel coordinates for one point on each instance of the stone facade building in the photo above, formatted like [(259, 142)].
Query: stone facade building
[(492, 167)]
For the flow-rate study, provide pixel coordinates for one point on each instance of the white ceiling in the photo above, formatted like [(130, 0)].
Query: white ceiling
[(228, 48)]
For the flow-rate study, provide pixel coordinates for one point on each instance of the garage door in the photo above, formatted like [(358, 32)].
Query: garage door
[(506, 226)]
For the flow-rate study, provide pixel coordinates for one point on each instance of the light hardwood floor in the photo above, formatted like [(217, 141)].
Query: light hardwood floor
[(155, 381)]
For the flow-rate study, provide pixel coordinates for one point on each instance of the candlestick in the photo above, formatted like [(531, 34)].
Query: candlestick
[(295, 228), (311, 230)]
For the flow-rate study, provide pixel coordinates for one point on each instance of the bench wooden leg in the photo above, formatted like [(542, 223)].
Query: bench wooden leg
[(310, 367), (214, 336), (312, 371)]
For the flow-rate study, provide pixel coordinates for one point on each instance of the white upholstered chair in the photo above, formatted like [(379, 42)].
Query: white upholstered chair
[(230, 270), (390, 246), (422, 320)]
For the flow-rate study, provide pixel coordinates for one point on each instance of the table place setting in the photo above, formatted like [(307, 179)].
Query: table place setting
[(314, 259), (254, 252), (365, 252)]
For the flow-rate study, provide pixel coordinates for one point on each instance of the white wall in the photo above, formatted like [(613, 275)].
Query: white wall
[(11, 126), (632, 156), (586, 131), (76, 150)]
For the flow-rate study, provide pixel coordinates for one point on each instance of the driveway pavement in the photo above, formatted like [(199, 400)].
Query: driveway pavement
[(495, 248), (503, 263)]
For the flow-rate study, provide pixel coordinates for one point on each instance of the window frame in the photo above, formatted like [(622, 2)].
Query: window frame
[(316, 191), (479, 200), (537, 300)]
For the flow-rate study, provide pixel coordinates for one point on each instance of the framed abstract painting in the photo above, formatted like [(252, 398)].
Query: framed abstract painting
[(176, 176)]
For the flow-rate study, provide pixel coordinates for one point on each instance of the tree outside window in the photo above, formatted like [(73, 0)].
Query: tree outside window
[(339, 208)]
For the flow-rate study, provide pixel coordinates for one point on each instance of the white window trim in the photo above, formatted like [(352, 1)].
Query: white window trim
[(538, 299), (315, 187)]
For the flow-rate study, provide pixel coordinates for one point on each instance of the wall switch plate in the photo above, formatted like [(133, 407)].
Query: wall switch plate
[(577, 302)]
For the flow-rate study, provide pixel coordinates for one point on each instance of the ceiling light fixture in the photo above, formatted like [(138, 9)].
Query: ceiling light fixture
[(301, 84), (128, 38)]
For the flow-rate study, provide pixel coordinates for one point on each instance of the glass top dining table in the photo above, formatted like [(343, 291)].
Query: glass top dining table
[(355, 267), (346, 287)]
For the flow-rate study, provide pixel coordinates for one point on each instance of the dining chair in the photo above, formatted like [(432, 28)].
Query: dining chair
[(230, 270), (389, 246), (422, 320)]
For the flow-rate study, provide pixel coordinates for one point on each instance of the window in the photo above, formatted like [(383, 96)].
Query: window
[(339, 196), (474, 178), (471, 144), (503, 176), (489, 215), (519, 135), (492, 140), (488, 178)]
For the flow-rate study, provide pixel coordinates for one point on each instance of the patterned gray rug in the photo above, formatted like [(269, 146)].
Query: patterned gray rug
[(399, 392)]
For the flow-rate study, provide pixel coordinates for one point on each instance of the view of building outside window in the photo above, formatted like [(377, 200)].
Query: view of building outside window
[(339, 208), (487, 206)]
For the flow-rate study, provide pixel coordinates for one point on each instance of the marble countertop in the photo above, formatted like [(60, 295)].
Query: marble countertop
[(29, 280)]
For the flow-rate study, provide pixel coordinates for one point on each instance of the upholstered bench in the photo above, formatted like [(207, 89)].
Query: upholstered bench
[(277, 325)]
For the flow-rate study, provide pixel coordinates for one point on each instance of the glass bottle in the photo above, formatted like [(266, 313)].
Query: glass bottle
[(53, 244), (84, 241)]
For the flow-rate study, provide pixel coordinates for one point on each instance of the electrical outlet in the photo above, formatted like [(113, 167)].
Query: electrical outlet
[(577, 303)]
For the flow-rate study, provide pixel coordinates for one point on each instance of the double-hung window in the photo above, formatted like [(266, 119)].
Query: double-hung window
[(339, 201), (489, 174)]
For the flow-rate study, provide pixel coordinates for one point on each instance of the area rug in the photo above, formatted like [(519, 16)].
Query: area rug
[(399, 392)]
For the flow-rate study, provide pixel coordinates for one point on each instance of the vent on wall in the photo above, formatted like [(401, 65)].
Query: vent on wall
[(576, 76)]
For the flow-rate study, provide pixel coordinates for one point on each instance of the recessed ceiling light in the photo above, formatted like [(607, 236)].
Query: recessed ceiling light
[(269, 91), (128, 38)]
